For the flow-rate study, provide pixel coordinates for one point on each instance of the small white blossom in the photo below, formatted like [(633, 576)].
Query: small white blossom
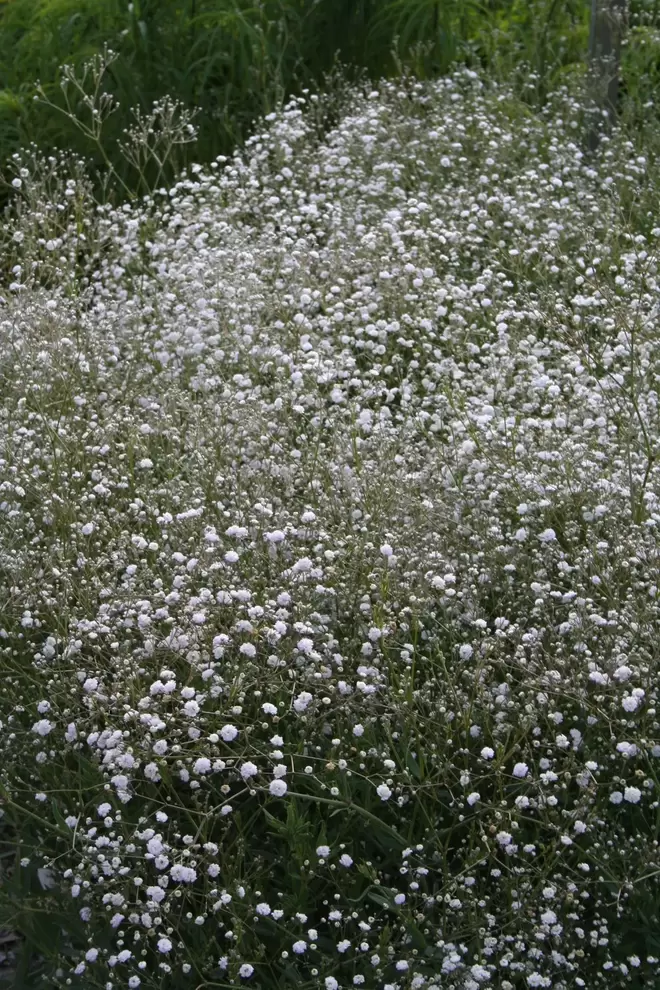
[(43, 727)]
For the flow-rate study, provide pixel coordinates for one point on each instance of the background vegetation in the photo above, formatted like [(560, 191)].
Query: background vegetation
[(236, 59)]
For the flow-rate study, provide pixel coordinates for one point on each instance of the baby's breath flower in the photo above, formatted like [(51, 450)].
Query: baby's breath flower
[(328, 434)]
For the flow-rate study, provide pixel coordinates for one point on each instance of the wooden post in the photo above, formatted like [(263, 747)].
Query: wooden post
[(609, 19)]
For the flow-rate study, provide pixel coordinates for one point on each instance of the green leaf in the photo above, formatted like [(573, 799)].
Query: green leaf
[(10, 102)]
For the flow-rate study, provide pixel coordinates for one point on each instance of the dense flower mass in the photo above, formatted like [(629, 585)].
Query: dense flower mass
[(328, 507)]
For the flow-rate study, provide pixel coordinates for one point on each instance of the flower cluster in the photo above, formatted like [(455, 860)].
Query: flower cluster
[(328, 511)]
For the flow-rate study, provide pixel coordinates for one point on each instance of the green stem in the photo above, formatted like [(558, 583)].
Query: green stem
[(349, 806)]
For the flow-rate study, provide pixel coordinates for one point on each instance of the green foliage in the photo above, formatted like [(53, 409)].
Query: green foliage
[(236, 59)]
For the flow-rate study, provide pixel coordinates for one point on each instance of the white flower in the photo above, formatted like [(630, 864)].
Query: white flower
[(303, 701), (632, 794), (229, 732), (278, 787), (248, 770), (323, 851), (616, 797), (472, 798), (246, 971), (547, 536), (164, 945), (87, 529), (383, 792), (184, 874), (520, 770), (487, 753), (202, 765), (269, 709), (43, 727), (299, 947), (345, 860)]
